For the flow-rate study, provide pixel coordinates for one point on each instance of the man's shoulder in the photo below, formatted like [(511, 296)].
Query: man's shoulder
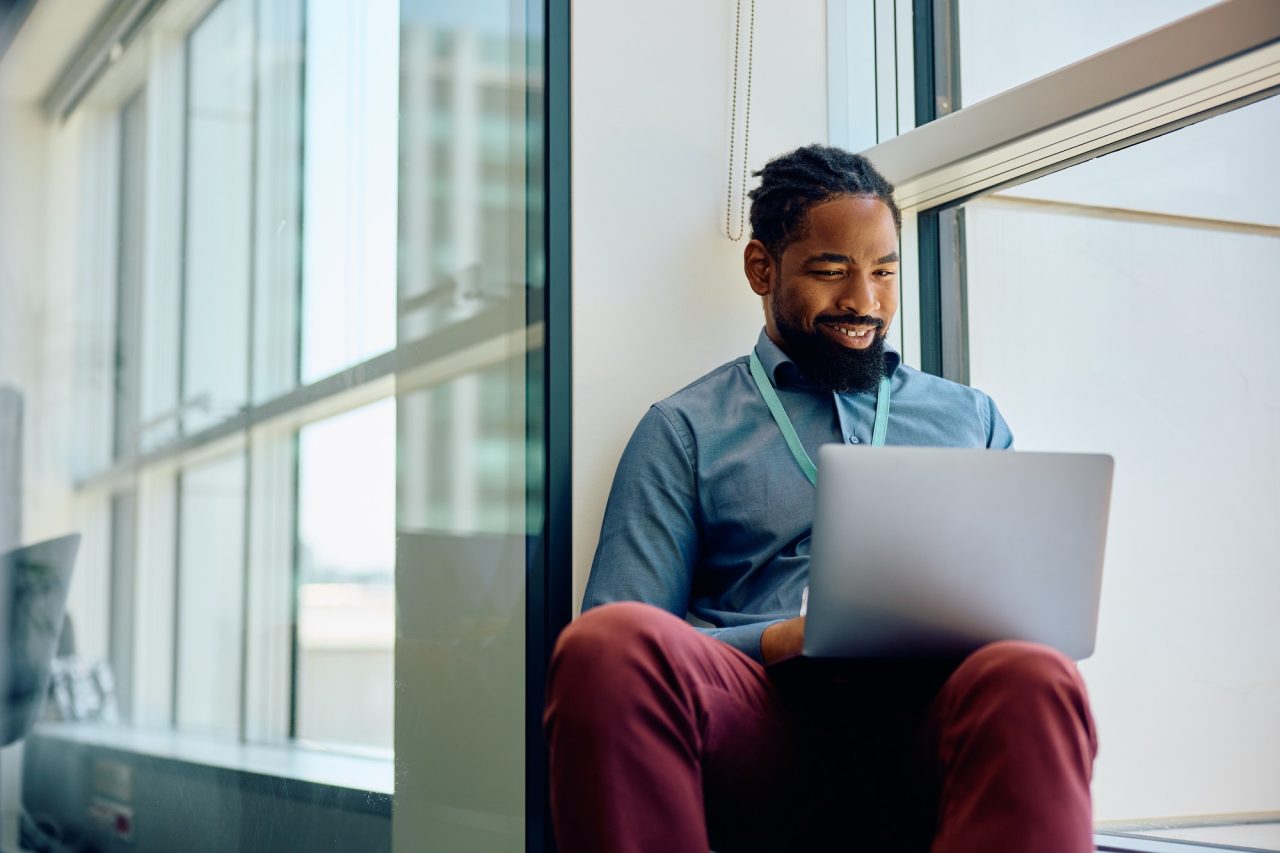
[(908, 379), (708, 392)]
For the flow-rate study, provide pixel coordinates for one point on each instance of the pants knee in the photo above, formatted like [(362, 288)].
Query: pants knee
[(606, 659), (1019, 661), (1022, 679)]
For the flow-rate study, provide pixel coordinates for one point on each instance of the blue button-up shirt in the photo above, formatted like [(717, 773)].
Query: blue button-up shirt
[(710, 516)]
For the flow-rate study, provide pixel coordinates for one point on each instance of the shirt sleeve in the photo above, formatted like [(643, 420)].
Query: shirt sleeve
[(999, 436), (650, 535), (744, 638), (649, 538)]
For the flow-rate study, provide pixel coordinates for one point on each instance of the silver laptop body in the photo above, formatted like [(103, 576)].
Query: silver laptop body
[(935, 552)]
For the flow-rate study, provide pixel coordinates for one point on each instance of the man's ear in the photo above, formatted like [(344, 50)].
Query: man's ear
[(758, 265)]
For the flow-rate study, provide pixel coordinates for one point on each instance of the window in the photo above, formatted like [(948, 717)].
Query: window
[(1094, 250), (219, 164), (1123, 306), (210, 587), (346, 573), (281, 380)]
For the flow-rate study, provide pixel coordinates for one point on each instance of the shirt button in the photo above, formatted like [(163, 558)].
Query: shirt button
[(853, 439)]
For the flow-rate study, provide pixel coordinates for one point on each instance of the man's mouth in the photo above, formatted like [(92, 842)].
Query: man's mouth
[(851, 335)]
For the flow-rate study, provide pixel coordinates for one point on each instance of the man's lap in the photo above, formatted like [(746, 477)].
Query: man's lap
[(795, 750)]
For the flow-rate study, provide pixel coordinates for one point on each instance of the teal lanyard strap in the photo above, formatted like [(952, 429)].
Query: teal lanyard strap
[(878, 431)]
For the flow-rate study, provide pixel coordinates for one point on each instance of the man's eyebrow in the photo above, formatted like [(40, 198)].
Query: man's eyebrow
[(828, 258), (834, 258)]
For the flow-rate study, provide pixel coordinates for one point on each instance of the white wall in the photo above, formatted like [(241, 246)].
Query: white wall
[(658, 293)]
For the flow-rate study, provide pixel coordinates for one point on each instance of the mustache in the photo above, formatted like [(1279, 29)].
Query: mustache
[(848, 320)]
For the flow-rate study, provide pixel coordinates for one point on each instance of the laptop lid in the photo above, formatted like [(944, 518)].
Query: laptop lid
[(936, 552)]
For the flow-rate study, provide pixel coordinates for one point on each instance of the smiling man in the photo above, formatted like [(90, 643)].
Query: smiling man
[(669, 737)]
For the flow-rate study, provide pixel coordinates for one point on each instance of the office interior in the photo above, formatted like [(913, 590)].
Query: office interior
[(323, 324)]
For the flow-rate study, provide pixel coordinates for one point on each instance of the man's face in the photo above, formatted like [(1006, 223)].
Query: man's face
[(830, 298)]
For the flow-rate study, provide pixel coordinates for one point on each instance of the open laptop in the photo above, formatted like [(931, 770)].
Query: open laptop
[(921, 552)]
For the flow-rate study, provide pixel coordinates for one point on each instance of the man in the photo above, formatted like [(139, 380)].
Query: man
[(665, 737)]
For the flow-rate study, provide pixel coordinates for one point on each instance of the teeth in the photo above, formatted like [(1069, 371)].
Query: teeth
[(852, 333)]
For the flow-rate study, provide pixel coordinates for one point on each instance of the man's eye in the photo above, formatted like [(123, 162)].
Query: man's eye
[(828, 273), (886, 273)]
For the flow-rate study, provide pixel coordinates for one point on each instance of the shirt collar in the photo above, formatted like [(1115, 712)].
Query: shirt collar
[(784, 371)]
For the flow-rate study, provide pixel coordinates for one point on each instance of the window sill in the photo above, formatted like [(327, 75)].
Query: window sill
[(347, 781)]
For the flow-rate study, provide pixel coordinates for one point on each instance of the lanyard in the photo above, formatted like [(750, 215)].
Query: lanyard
[(771, 400)]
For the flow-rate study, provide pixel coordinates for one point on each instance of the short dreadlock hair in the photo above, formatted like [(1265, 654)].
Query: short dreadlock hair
[(793, 183)]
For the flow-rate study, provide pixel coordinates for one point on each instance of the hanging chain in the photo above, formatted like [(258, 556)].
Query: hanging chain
[(746, 125)]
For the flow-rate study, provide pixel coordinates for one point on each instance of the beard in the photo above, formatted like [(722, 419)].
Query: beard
[(826, 363)]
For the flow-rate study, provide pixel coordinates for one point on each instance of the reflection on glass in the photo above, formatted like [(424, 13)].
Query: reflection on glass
[(469, 264), (346, 564), (1127, 306), (219, 173), (210, 591), (1004, 43)]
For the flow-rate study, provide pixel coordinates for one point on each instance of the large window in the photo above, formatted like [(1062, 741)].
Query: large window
[(1124, 307), (286, 382), (1094, 248), (279, 499)]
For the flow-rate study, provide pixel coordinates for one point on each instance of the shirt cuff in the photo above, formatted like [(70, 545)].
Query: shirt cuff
[(744, 638)]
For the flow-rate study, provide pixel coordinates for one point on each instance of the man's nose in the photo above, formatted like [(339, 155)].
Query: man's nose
[(859, 295)]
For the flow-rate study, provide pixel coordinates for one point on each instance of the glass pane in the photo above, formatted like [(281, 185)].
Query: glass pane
[(129, 265), (470, 262), (1004, 43), (219, 173), (210, 592), (346, 570), (1126, 306), (277, 205), (348, 298)]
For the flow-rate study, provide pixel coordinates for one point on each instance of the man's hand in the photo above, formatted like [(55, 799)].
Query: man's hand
[(782, 640)]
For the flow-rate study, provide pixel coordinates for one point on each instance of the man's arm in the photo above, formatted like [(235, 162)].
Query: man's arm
[(649, 540), (999, 436), (782, 640)]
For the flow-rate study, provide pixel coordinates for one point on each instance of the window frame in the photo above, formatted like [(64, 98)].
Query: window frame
[(1213, 61)]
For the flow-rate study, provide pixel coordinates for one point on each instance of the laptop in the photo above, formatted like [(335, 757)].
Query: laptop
[(932, 552)]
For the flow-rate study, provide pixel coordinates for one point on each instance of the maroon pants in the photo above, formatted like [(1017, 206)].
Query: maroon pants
[(665, 740)]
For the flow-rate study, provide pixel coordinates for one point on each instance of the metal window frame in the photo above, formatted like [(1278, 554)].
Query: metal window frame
[(550, 566), (1211, 62), (1105, 842), (109, 36)]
